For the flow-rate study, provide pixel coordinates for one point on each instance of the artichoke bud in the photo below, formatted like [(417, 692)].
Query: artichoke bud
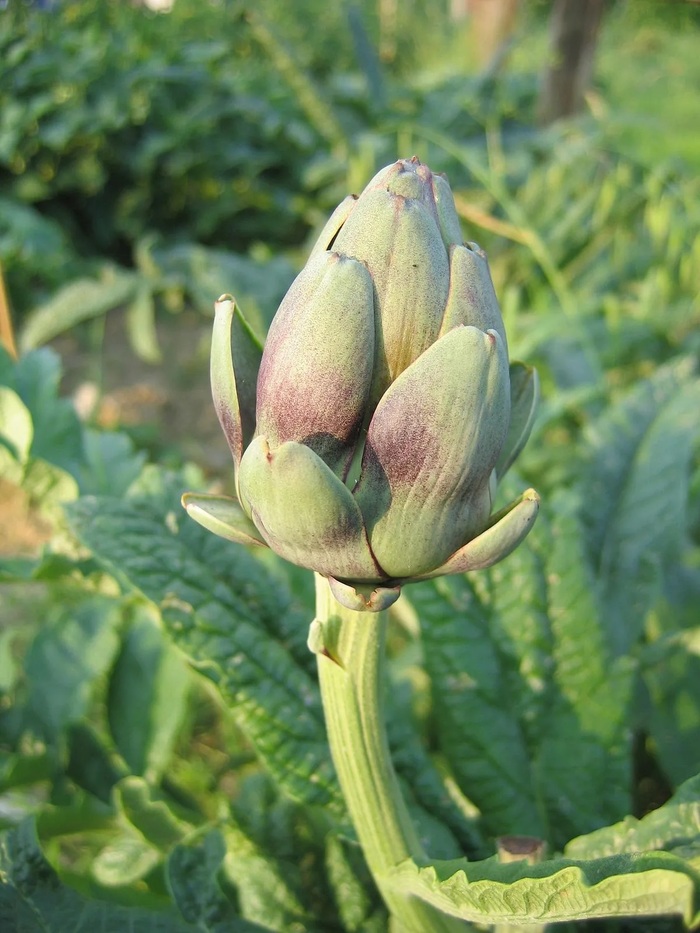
[(472, 298), (386, 409), (316, 367)]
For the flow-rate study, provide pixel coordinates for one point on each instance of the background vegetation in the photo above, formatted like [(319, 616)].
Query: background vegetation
[(158, 708)]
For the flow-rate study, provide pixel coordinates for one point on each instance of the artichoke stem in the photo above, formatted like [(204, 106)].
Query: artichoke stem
[(350, 647)]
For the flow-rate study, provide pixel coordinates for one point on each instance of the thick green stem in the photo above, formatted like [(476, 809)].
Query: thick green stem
[(350, 649)]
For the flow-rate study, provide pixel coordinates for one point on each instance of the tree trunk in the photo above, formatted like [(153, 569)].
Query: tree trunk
[(574, 29)]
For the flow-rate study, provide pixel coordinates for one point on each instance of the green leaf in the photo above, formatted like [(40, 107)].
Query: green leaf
[(274, 860), (91, 764), (516, 591), (356, 897), (671, 826), (16, 429), (68, 655), (49, 488), (643, 885), (125, 860), (637, 490), (141, 325), (671, 674), (147, 697), (439, 821), (79, 301), (149, 830), (193, 871), (57, 437), (526, 694), (229, 617), (33, 899), (111, 464), (151, 817), (584, 725), (482, 741)]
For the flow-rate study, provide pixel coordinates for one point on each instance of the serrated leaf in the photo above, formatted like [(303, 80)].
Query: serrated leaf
[(33, 899), (147, 697), (269, 886), (478, 734), (220, 622), (674, 824), (276, 858), (79, 301), (266, 597), (520, 627), (527, 697), (583, 728), (68, 655), (443, 829), (636, 492), (643, 885)]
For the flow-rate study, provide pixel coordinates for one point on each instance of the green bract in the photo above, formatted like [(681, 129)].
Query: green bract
[(369, 435)]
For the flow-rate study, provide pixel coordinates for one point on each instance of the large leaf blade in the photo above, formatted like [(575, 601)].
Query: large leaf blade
[(636, 492), (483, 743), (34, 900), (219, 626), (647, 885)]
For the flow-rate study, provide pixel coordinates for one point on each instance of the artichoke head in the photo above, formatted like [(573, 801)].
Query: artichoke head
[(370, 432)]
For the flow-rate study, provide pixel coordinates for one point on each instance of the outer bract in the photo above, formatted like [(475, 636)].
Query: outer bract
[(384, 409)]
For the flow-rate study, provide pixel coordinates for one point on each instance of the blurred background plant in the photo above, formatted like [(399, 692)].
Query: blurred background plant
[(151, 161)]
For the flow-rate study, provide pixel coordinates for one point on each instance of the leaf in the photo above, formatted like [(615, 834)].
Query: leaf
[(483, 742), (516, 591), (583, 727), (193, 869), (125, 860), (147, 698), (141, 325), (275, 860), (356, 897), (16, 428), (91, 764), (57, 437), (151, 817), (111, 464), (221, 621), (439, 821), (671, 674), (527, 696), (69, 653), (675, 824), (149, 830), (79, 301), (33, 899), (636, 492), (49, 488), (643, 885)]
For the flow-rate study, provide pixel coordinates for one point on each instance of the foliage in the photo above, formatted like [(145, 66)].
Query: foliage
[(163, 758)]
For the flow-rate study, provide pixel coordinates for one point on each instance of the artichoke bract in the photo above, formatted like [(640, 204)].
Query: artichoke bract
[(369, 434)]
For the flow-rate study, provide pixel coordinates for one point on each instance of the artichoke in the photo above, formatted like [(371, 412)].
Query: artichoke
[(369, 434)]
